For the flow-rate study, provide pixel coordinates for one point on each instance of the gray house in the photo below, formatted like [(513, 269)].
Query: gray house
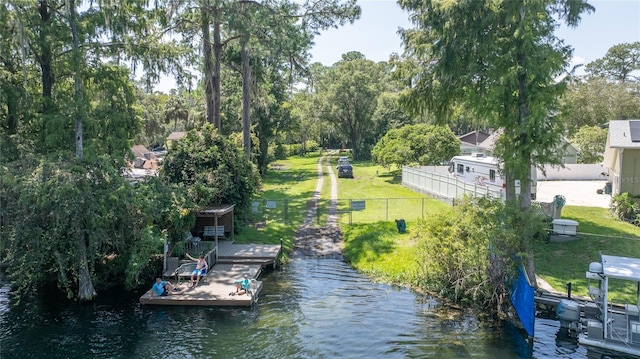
[(470, 142), (566, 148), (622, 156)]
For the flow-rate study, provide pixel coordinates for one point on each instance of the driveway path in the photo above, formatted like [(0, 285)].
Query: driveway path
[(576, 193), (320, 241)]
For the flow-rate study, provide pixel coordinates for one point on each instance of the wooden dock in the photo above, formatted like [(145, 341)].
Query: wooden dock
[(234, 261), (263, 254)]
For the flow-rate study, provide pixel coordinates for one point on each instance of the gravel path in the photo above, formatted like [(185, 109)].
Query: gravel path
[(325, 241)]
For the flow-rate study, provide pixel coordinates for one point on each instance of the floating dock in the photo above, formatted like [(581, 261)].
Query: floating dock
[(212, 291), (234, 261)]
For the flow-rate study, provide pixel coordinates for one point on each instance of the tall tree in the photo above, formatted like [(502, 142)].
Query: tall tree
[(86, 109), (500, 58), (352, 87), (591, 141), (618, 64), (285, 30), (594, 101)]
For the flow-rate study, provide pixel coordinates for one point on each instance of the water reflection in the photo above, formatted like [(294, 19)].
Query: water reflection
[(311, 309)]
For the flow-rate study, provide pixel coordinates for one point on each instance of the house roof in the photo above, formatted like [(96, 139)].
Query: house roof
[(490, 141), (176, 135), (474, 137), (620, 134), (139, 150)]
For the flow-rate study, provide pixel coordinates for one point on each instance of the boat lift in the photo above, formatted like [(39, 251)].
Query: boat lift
[(613, 328)]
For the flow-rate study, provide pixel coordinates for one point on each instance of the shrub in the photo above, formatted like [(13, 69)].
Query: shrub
[(280, 152), (626, 207), (471, 255)]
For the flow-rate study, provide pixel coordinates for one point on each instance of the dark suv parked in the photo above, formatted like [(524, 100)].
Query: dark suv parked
[(345, 170)]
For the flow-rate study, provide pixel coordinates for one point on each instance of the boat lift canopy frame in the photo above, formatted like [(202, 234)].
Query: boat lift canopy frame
[(618, 268)]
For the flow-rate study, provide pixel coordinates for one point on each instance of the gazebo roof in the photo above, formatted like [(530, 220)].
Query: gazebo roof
[(217, 211)]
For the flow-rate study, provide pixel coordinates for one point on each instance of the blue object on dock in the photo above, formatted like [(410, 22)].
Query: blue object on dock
[(522, 298)]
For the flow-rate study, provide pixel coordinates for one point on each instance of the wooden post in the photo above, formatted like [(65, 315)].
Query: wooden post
[(215, 221)]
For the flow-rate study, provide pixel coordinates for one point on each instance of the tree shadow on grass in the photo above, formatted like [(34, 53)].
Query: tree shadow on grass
[(566, 262), (367, 241), (282, 181), (279, 212), (290, 176), (392, 177), (268, 234)]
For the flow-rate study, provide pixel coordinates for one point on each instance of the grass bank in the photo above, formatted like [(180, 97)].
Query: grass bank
[(293, 180), (373, 245)]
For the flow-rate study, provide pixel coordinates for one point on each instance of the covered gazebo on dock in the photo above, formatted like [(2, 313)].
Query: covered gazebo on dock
[(211, 223), (220, 218)]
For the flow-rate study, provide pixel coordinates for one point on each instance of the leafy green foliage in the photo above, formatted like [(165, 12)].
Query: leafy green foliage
[(595, 101), (618, 63), (350, 89), (61, 211), (212, 170), (467, 254), (591, 141), (416, 144), (626, 207), (499, 59)]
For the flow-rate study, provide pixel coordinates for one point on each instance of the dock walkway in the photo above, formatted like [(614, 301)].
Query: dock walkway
[(234, 260)]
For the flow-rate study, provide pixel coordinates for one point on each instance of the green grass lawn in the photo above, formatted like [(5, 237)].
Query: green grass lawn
[(294, 181), (598, 232), (385, 197), (373, 245)]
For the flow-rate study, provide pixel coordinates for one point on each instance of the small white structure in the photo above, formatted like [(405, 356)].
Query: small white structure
[(566, 227)]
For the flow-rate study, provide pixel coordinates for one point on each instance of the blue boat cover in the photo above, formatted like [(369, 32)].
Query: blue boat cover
[(522, 299)]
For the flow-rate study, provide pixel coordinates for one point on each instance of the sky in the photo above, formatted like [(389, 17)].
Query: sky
[(375, 33)]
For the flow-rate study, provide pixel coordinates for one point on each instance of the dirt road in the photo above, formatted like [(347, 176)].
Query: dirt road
[(320, 241)]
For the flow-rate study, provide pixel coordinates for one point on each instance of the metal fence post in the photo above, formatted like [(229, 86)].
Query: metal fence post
[(286, 211), (387, 210)]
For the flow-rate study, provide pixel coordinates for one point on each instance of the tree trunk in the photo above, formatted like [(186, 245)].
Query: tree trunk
[(12, 111), (246, 97), (86, 292), (263, 132), (525, 181), (217, 55), (77, 77), (208, 66), (45, 59)]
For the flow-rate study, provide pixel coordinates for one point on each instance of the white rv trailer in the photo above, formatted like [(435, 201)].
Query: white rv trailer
[(484, 171)]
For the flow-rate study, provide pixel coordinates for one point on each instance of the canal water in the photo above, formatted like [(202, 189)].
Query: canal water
[(310, 309)]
